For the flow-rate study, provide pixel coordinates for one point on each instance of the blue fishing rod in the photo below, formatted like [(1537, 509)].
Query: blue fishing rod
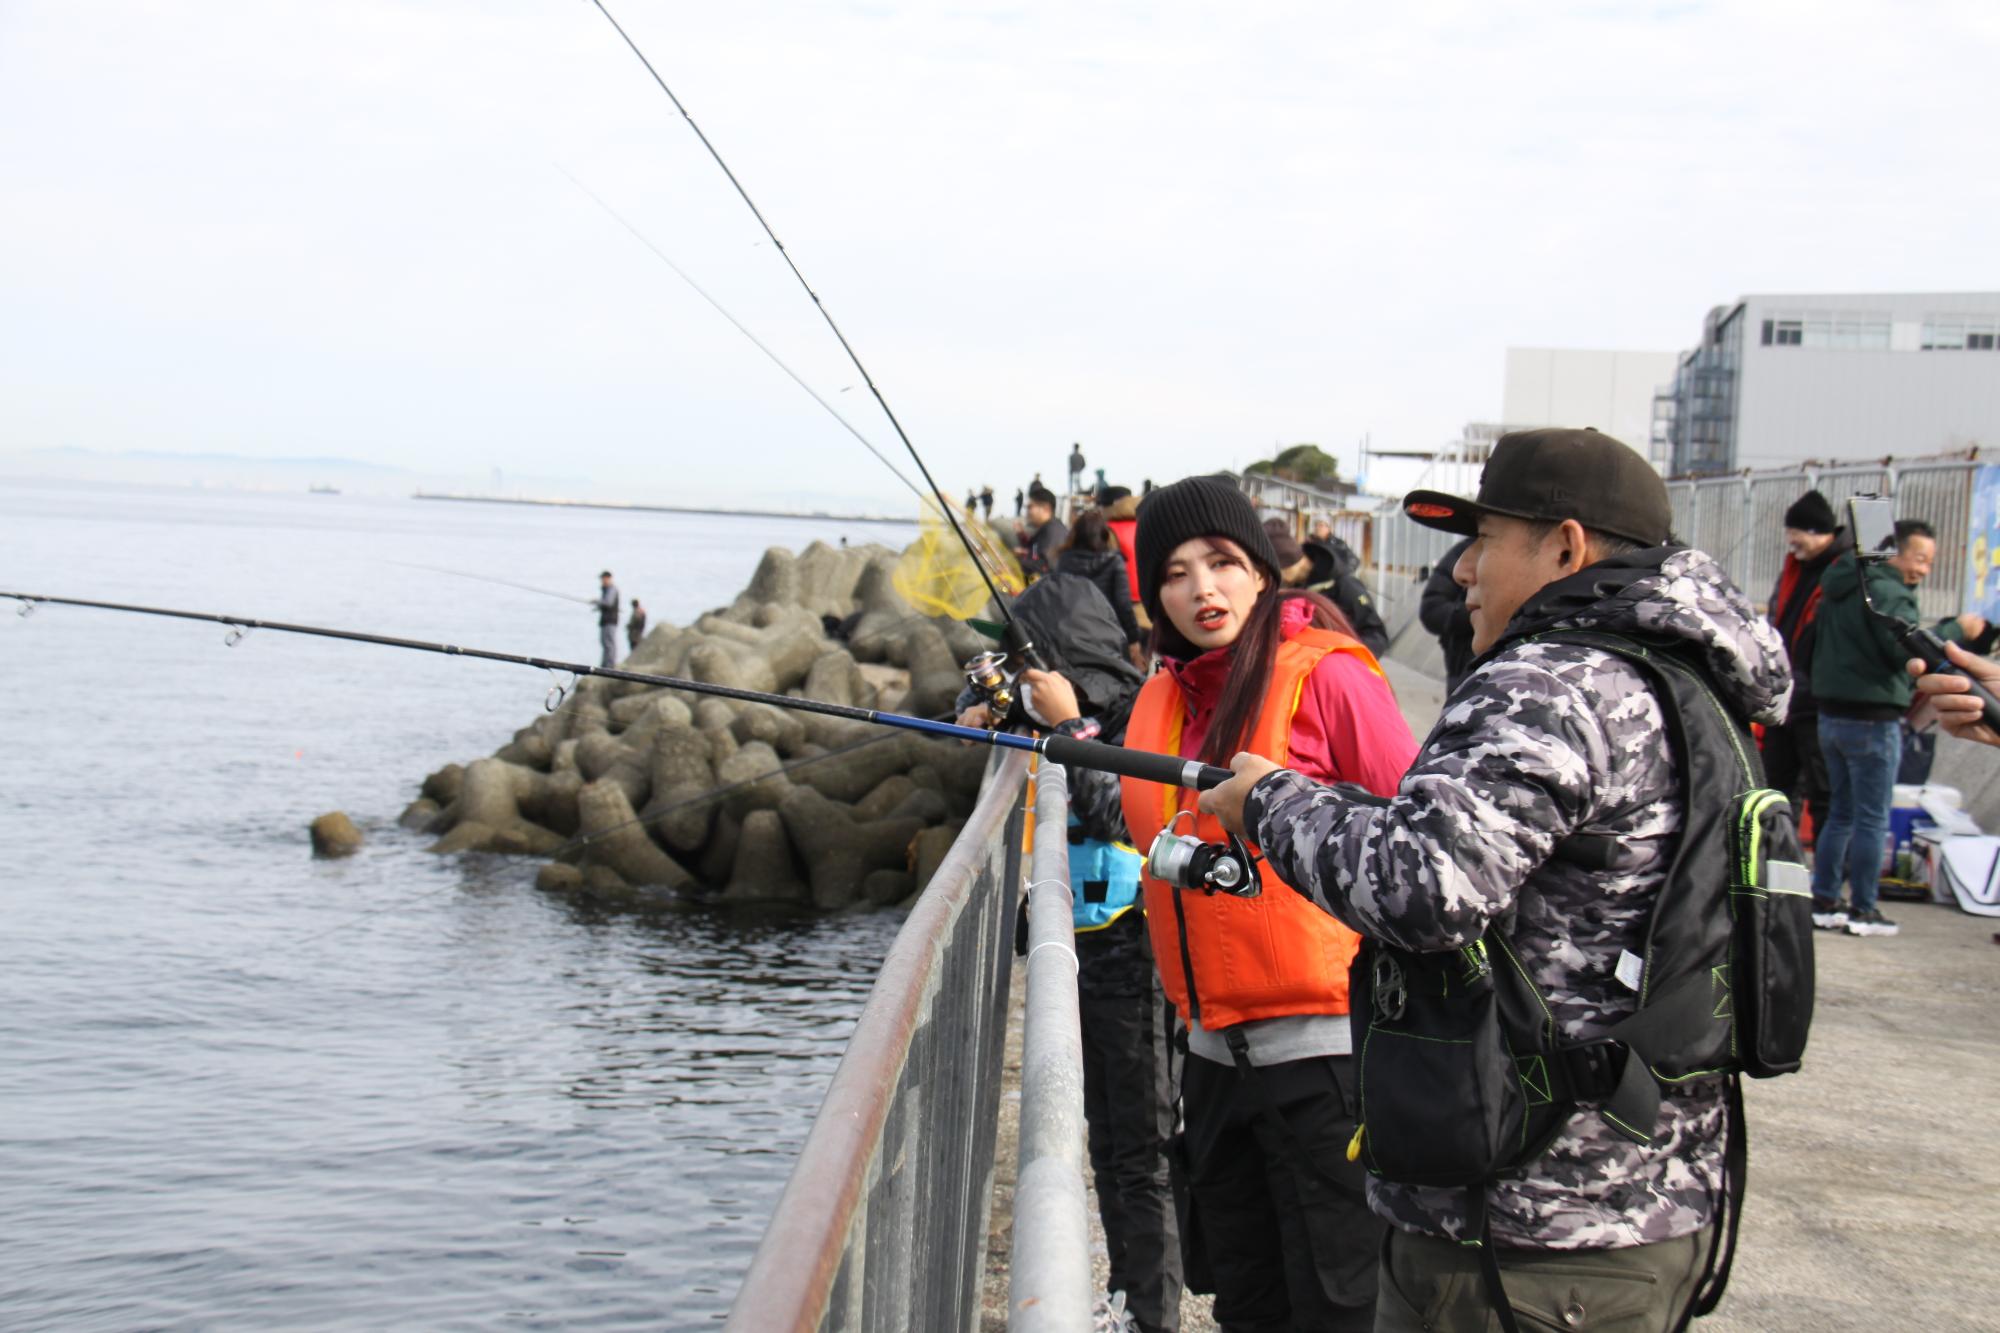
[(1169, 770)]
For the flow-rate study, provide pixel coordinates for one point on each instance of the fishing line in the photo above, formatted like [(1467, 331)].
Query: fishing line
[(819, 305), (1166, 769), (505, 583), (702, 292)]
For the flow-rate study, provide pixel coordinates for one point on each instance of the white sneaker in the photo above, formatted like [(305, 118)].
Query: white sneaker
[(1833, 920), (1870, 923), (1109, 1315)]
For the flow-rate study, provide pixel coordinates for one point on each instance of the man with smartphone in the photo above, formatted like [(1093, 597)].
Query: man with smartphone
[(1860, 679)]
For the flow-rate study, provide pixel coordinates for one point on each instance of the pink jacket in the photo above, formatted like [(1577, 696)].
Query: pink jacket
[(1348, 727)]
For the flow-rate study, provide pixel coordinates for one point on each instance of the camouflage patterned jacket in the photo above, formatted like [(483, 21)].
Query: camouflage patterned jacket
[(1544, 802)]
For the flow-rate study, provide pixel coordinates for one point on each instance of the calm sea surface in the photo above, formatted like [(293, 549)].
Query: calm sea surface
[(243, 1089)]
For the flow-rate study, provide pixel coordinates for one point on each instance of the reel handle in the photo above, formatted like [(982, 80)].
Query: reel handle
[(1141, 764), (1926, 645)]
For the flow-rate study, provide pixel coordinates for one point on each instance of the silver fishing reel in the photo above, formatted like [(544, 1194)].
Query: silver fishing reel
[(1212, 867)]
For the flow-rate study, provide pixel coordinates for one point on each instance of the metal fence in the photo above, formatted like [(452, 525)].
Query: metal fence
[(883, 1222), (1403, 555), (1739, 520), (1049, 1281)]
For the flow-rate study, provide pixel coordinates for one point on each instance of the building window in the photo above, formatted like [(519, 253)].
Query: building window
[(1961, 333), (1845, 330)]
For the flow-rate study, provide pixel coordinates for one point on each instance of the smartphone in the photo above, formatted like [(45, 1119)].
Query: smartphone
[(1872, 520)]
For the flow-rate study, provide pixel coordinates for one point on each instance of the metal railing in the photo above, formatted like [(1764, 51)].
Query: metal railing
[(1049, 1288), (1739, 520), (1404, 554), (883, 1222)]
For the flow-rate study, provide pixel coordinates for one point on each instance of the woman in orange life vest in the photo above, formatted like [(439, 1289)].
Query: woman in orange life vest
[(1260, 983)]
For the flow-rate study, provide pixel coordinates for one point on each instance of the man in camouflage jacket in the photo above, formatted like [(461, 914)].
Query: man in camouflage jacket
[(1544, 801)]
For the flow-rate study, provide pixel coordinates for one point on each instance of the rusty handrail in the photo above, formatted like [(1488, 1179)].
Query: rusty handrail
[(791, 1281)]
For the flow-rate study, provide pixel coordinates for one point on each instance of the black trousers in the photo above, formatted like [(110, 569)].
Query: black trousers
[(1128, 1102), (1794, 765), (1282, 1212)]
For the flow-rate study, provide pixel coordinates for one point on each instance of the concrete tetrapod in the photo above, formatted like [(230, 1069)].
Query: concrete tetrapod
[(844, 823), (840, 851), (681, 773), (615, 839), (764, 871), (600, 756)]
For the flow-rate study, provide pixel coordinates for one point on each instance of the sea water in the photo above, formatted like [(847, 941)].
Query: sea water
[(241, 1088)]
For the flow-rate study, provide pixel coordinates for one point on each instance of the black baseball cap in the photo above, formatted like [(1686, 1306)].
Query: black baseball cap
[(1553, 474)]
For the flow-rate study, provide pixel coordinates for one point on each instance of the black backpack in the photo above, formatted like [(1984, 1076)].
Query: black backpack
[(1464, 1078)]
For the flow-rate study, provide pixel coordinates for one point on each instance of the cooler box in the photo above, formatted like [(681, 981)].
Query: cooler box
[(1905, 873)]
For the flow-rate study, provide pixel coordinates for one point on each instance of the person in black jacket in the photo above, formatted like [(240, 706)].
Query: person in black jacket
[(1092, 553), (1332, 569), (1793, 763), (1042, 535), (607, 618), (1442, 612)]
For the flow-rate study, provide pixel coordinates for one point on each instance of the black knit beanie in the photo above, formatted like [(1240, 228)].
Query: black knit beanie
[(1811, 513), (1195, 507)]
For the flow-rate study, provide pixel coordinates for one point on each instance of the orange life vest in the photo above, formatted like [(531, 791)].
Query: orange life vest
[(1254, 958)]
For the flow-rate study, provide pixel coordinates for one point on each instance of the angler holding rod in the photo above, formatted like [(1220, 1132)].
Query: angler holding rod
[(1585, 914), (1061, 749)]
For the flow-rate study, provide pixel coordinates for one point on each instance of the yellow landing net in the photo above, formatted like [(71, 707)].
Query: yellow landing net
[(936, 575)]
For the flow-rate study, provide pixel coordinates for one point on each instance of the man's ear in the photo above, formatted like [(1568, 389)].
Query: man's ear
[(1574, 553)]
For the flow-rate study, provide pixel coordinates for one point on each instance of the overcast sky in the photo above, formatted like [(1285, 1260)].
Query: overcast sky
[(1179, 233)]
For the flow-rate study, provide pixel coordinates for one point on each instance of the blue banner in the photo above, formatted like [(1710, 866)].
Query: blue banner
[(1982, 554)]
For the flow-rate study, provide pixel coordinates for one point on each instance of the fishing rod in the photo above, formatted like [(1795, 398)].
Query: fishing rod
[(757, 342), (1169, 770), (505, 583), (943, 504)]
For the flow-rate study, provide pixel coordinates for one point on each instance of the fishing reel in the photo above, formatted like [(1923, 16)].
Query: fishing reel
[(991, 679), (1212, 867), (995, 678)]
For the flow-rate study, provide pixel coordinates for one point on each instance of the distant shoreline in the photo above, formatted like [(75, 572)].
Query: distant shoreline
[(663, 509)]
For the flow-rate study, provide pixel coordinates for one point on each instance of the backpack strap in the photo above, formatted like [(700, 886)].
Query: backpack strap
[(1735, 1181), (1631, 1102), (1614, 1073), (1714, 1279), (1478, 1225)]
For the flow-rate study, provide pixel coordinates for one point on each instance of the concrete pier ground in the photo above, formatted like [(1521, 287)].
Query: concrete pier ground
[(1874, 1172)]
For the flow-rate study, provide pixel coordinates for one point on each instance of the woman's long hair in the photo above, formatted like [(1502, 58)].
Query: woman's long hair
[(1254, 652), (1089, 533)]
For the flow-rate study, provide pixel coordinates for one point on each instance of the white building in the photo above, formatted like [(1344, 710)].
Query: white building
[(1611, 391), (1779, 380), (1545, 386)]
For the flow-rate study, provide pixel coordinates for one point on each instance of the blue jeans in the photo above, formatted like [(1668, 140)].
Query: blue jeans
[(1861, 759)]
